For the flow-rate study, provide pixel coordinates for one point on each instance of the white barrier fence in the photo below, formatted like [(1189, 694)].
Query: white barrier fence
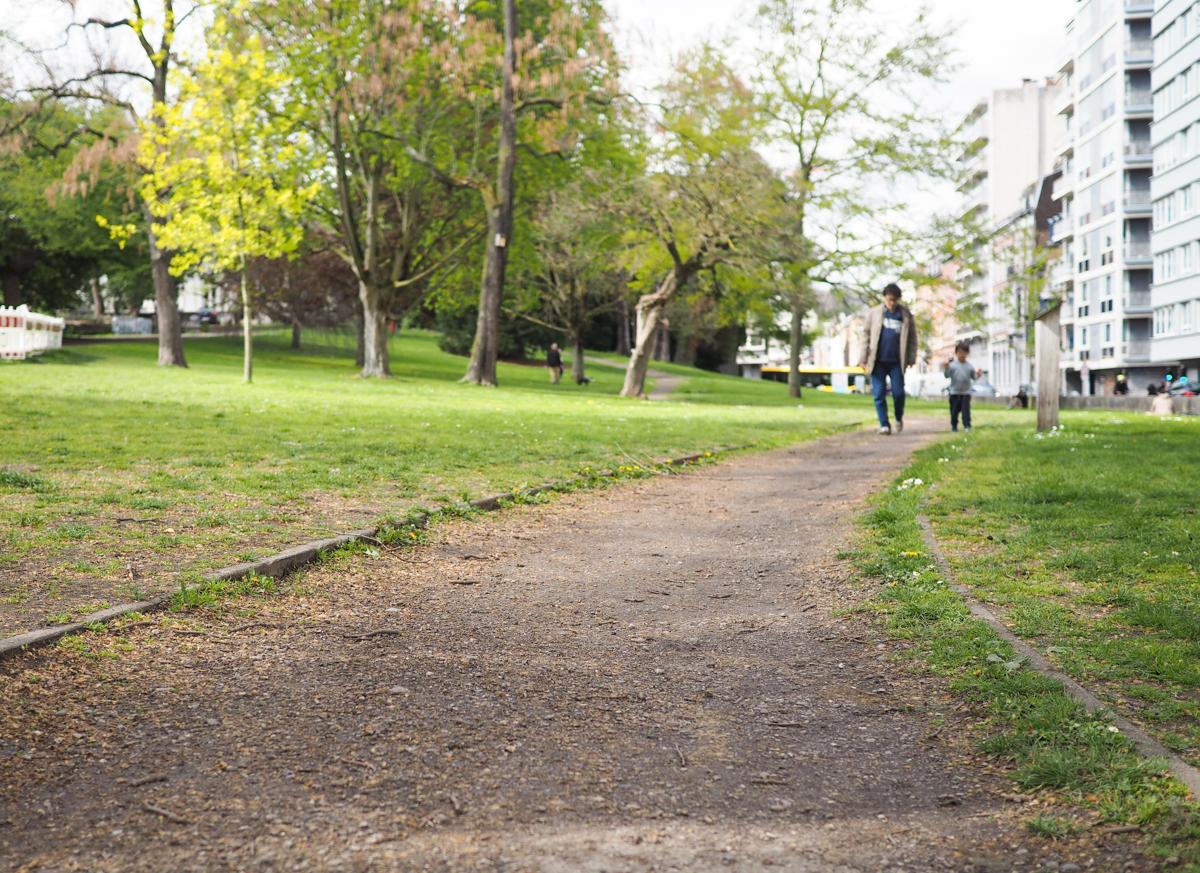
[(24, 333)]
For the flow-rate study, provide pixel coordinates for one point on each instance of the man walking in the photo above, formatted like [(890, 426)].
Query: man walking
[(889, 344)]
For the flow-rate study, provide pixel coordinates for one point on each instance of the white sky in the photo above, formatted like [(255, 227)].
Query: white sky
[(998, 42)]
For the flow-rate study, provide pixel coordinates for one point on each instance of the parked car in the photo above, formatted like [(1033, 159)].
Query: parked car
[(207, 316), (1184, 388)]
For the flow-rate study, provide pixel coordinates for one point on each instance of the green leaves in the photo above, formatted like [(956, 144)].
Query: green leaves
[(229, 173)]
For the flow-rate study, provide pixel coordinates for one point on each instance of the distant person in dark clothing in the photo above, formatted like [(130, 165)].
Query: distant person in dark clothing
[(889, 344), (1122, 386), (554, 362)]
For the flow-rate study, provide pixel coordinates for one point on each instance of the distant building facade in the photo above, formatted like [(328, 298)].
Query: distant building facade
[(1105, 193), (1012, 138), (1175, 138)]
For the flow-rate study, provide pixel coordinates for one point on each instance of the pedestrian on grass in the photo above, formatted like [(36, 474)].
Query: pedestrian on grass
[(889, 343), (554, 362), (962, 374)]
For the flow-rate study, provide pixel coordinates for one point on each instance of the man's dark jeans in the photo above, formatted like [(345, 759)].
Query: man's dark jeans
[(884, 371), (960, 404)]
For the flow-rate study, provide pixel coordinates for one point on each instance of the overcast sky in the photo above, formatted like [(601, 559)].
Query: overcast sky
[(998, 42)]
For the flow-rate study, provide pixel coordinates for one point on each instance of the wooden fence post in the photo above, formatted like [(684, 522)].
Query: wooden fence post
[(1049, 379)]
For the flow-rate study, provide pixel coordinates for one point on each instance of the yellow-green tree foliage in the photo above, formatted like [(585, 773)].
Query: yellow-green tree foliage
[(229, 173)]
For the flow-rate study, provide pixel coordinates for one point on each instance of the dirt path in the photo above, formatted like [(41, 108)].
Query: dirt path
[(654, 677), (664, 383)]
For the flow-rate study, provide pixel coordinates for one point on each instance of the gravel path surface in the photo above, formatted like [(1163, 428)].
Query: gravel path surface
[(660, 676)]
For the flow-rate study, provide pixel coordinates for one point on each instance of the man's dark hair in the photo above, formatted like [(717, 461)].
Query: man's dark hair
[(893, 289), (962, 346)]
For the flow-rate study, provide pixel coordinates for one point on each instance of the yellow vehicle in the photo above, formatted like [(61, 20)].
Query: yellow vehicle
[(834, 379)]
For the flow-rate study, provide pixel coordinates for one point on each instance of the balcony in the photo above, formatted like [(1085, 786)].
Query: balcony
[(1064, 184), (1065, 146), (1136, 350), (1139, 8), (1137, 302), (1139, 52), (1063, 228), (1066, 103), (1139, 152), (1137, 254), (1139, 101), (1061, 274), (1138, 202)]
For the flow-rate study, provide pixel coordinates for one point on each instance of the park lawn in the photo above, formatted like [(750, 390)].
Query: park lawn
[(1084, 542), (120, 479)]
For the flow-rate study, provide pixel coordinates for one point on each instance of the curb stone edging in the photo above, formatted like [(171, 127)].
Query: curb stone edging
[(278, 565), (1142, 741)]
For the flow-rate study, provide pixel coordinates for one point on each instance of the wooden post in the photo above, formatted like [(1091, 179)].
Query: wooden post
[(1049, 380)]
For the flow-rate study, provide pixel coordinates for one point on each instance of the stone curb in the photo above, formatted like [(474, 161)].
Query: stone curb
[(1146, 744), (279, 565)]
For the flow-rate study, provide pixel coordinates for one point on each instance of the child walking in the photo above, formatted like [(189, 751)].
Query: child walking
[(962, 375)]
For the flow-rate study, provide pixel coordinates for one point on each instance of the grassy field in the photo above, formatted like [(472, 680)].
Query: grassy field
[(1085, 543), (118, 478)]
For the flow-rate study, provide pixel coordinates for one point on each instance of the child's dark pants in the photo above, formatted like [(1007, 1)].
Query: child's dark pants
[(960, 404)]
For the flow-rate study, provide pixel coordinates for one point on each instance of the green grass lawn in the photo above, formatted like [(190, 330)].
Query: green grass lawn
[(119, 478), (1085, 543)]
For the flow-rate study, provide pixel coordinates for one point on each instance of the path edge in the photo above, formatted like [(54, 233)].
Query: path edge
[(1142, 741), (291, 559)]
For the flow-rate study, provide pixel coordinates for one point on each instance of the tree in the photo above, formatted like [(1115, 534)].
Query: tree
[(373, 81), (706, 204), (523, 97), (50, 245), (573, 277), (314, 289), (842, 89), (128, 62), (226, 169)]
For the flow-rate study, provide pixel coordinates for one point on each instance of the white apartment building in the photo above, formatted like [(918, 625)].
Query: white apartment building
[(1106, 163), (1014, 136), (1176, 188)]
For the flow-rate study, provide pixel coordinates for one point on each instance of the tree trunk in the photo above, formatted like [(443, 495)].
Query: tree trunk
[(374, 334), (649, 318), (97, 300), (360, 353), (12, 290), (166, 305), (662, 346), (485, 350), (296, 328), (623, 343), (577, 372), (796, 339), (247, 333)]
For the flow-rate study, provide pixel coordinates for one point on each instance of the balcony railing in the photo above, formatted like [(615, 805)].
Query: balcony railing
[(1139, 299), (1136, 350), (1062, 228), (1064, 184), (1139, 100), (1137, 200), (1139, 149), (1139, 50), (1139, 6), (1137, 251)]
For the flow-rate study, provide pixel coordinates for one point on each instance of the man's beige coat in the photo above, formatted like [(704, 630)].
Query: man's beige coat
[(870, 336)]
